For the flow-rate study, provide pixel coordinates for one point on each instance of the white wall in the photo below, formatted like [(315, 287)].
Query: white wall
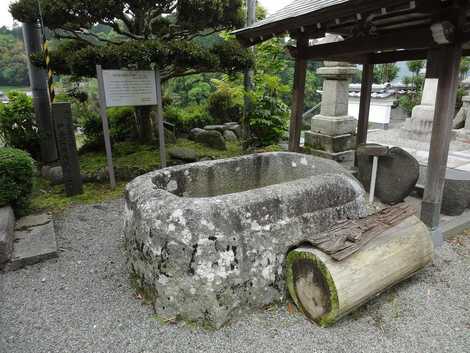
[(380, 110)]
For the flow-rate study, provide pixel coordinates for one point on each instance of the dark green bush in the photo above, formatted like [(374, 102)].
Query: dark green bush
[(18, 127), (16, 178), (226, 103), (189, 118), (121, 126)]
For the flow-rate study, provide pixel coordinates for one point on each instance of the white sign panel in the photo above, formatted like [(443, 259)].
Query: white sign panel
[(129, 88)]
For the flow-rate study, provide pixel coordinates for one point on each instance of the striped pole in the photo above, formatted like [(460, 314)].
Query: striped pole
[(47, 58), (50, 74)]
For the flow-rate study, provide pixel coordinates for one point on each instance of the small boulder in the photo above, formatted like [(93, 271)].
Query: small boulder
[(183, 154), (397, 174), (219, 128), (195, 132), (237, 129), (213, 139), (230, 136), (55, 175)]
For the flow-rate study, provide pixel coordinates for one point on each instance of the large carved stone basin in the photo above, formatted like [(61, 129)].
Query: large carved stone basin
[(207, 240)]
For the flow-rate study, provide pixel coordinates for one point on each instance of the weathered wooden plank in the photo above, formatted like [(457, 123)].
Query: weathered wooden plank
[(347, 237)]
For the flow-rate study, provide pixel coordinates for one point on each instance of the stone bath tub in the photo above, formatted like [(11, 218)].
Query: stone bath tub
[(207, 240)]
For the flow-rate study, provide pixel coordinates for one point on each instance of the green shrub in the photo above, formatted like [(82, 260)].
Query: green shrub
[(121, 126), (18, 127), (226, 103), (16, 178), (187, 119), (268, 119), (409, 101)]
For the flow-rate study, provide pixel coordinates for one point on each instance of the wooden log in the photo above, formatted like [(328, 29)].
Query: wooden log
[(326, 290)]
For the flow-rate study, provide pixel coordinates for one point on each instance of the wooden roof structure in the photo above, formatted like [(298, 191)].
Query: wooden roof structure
[(376, 32)]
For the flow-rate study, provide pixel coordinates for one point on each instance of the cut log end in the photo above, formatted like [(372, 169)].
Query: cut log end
[(312, 290), (311, 287)]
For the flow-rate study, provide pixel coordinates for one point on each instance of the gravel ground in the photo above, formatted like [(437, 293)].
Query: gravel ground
[(82, 302)]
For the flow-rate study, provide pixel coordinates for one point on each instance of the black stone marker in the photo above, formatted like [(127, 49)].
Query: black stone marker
[(66, 144)]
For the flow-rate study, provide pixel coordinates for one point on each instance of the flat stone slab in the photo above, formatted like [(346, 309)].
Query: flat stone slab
[(32, 221), (33, 244)]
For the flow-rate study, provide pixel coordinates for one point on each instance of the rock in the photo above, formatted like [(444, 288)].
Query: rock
[(213, 139), (55, 175), (456, 196), (230, 135), (219, 128), (397, 174), (7, 234), (207, 241), (195, 132), (237, 129), (184, 154)]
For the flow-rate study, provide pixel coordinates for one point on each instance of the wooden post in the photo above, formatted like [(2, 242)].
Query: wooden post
[(445, 105), (66, 143), (364, 107), (298, 97), (104, 120)]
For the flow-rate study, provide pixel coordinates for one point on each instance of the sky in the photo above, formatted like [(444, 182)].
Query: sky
[(6, 20)]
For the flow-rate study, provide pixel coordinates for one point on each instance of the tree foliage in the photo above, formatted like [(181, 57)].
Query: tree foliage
[(385, 73), (144, 32), (13, 69), (18, 127)]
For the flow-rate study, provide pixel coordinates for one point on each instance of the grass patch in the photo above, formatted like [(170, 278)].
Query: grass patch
[(125, 155), (129, 155), (234, 149), (53, 199)]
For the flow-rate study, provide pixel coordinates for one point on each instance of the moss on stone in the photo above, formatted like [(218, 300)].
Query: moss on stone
[(295, 255)]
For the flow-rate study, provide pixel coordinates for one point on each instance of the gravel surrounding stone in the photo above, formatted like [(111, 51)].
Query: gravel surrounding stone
[(82, 302)]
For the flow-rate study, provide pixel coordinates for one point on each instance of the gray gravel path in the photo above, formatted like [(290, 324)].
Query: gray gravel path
[(82, 302)]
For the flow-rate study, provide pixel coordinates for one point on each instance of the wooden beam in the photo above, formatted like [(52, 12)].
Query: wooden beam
[(417, 39), (298, 98), (449, 57), (252, 36), (364, 105)]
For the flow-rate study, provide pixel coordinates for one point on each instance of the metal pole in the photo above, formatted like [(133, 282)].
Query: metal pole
[(39, 87), (104, 120), (159, 122), (375, 165)]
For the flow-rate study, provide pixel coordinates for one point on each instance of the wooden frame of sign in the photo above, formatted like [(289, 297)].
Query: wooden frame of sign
[(118, 88)]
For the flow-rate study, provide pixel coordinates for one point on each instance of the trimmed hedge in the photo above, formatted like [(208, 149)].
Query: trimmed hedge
[(16, 178)]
